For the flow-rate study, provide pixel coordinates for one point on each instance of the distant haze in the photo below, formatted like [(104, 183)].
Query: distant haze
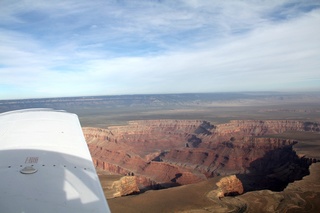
[(80, 48)]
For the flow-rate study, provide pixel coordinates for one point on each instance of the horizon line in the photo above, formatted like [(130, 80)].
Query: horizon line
[(181, 93)]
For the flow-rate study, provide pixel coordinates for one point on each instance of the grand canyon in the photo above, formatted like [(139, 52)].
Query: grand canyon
[(158, 154), (164, 153), (201, 152)]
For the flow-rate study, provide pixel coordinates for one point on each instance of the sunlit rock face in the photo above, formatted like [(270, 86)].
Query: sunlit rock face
[(229, 186), (166, 153), (127, 185)]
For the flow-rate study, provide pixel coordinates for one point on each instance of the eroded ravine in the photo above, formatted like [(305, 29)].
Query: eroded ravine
[(165, 153)]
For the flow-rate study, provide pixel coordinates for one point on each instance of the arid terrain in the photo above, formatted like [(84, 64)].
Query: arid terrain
[(225, 152), (158, 154), (165, 153)]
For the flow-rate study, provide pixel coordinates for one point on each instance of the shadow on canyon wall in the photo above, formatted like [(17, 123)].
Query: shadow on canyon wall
[(275, 170)]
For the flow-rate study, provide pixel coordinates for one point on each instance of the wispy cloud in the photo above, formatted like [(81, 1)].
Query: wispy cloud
[(116, 47)]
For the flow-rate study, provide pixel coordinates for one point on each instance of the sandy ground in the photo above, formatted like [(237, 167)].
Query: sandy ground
[(178, 199)]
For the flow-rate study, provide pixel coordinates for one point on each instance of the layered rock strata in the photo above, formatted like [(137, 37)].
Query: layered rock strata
[(165, 153)]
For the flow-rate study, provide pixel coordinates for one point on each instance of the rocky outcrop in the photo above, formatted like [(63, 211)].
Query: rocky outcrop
[(127, 185), (229, 186), (299, 196), (165, 153)]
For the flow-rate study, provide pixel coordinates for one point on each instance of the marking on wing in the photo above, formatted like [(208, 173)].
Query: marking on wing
[(31, 160)]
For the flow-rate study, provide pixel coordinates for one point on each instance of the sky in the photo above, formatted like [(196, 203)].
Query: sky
[(113, 47)]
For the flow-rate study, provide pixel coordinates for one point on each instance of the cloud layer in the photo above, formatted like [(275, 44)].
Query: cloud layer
[(75, 48)]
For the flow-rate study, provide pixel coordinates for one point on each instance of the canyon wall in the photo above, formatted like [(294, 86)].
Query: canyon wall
[(165, 153)]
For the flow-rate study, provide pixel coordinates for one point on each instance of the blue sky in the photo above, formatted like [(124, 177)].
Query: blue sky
[(109, 47)]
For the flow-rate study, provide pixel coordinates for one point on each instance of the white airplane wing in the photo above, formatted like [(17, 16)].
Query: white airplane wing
[(45, 164)]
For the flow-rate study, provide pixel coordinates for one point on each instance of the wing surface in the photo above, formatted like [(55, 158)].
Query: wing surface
[(45, 164)]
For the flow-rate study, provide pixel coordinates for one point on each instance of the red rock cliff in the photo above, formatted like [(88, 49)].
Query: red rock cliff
[(163, 153)]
